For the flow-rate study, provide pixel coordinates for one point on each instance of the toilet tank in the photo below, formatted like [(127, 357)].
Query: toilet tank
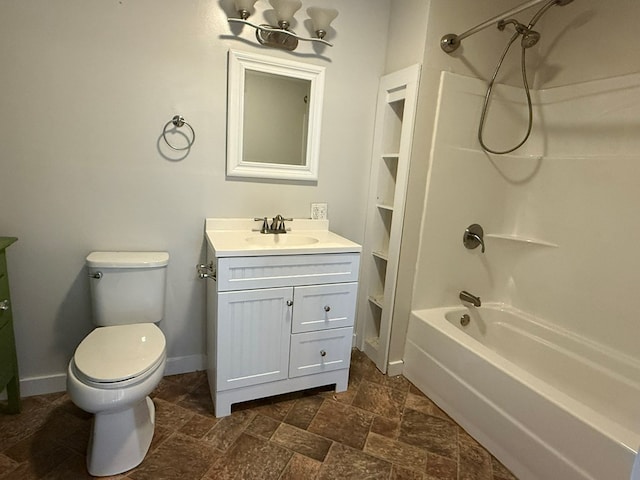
[(127, 287)]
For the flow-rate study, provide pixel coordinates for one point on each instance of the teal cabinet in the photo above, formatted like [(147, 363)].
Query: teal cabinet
[(8, 362)]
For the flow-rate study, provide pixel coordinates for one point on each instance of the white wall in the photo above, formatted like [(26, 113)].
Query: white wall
[(86, 88)]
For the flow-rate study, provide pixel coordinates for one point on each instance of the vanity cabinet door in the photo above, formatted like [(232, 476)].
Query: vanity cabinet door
[(253, 336)]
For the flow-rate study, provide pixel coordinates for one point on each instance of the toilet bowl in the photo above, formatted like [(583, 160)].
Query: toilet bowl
[(117, 366), (112, 373)]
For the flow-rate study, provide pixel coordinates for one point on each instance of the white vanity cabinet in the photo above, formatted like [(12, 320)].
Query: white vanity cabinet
[(279, 323)]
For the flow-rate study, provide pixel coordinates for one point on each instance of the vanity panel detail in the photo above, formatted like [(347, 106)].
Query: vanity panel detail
[(239, 273), (278, 323), (253, 341)]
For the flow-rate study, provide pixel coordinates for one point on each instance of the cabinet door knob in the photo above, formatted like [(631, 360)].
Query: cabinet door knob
[(327, 308), (289, 303), (323, 353), (4, 305)]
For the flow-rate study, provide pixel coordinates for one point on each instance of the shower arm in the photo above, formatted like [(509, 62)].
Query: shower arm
[(450, 42)]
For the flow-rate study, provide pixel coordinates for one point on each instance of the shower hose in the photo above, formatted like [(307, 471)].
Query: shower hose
[(488, 97)]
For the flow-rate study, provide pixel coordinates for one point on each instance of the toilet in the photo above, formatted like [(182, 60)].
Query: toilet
[(116, 366)]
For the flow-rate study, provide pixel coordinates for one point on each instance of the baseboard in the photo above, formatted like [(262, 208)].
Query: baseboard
[(31, 386), (189, 363), (395, 368)]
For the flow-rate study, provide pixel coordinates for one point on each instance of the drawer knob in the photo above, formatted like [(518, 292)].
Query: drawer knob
[(327, 308), (323, 353), (289, 303), (4, 305)]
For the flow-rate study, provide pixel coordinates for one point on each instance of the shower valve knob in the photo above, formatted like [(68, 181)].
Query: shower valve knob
[(473, 237)]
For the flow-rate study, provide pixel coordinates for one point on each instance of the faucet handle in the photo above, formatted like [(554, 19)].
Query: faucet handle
[(473, 236), (265, 224), (277, 226)]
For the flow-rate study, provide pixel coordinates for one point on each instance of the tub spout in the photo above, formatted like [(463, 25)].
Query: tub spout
[(472, 299)]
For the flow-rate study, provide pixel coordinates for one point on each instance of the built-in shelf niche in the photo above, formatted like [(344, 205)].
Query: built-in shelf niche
[(377, 300), (395, 115), (387, 181)]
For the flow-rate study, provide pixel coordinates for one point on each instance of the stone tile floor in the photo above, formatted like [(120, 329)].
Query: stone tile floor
[(380, 428)]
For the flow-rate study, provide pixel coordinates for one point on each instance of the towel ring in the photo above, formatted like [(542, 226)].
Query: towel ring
[(178, 121)]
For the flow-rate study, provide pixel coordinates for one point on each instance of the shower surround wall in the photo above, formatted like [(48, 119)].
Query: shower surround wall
[(560, 217), (574, 186)]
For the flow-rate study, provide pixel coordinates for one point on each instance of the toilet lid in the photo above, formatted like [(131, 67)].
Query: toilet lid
[(121, 352)]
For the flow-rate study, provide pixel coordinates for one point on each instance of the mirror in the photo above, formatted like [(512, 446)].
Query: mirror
[(274, 113)]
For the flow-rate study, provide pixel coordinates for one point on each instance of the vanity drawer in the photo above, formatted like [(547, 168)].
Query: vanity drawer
[(320, 307), (322, 351), (242, 273)]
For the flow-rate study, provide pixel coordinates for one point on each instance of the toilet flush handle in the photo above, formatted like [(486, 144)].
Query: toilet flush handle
[(96, 275)]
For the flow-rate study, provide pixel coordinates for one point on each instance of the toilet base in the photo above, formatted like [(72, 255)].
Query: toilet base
[(120, 440)]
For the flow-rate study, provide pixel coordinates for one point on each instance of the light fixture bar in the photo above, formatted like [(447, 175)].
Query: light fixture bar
[(270, 29)]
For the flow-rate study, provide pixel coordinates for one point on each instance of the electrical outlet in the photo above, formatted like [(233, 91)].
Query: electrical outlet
[(318, 211)]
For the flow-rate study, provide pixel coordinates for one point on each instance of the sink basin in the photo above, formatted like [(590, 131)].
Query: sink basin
[(282, 240)]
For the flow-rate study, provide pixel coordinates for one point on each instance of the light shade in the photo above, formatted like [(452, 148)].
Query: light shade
[(321, 17), (285, 9), (244, 5)]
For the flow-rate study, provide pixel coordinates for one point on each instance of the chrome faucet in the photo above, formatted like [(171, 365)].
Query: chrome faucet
[(277, 224), (469, 298)]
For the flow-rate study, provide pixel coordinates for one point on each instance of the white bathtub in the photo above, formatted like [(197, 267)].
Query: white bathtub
[(547, 403)]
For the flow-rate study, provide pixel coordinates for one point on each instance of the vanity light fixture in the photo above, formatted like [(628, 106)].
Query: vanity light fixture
[(281, 36)]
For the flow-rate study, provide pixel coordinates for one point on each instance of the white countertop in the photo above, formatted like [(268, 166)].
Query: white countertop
[(241, 237)]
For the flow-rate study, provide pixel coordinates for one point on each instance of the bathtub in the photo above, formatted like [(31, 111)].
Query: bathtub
[(547, 403)]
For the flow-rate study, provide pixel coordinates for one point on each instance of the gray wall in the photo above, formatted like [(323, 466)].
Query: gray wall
[(86, 87)]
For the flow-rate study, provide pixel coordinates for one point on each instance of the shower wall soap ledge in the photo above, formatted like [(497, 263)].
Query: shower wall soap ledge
[(521, 239)]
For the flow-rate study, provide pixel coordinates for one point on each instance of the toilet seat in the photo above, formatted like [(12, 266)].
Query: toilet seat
[(118, 355)]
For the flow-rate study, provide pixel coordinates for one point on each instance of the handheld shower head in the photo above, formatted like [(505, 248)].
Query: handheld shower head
[(529, 38)]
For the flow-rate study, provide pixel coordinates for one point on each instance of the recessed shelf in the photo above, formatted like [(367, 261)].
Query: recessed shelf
[(521, 239), (383, 206), (391, 156), (397, 95), (376, 300), (371, 345), (381, 255)]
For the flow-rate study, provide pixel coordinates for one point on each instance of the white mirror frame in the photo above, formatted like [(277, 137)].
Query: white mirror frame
[(239, 62)]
